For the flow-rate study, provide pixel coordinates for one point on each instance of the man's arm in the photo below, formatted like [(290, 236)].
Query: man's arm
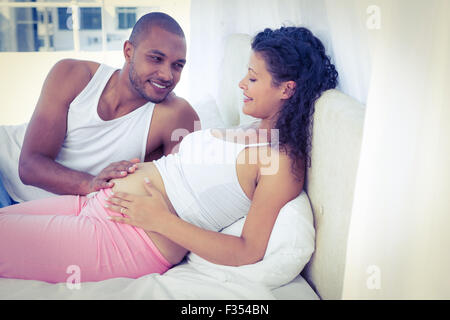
[(47, 130)]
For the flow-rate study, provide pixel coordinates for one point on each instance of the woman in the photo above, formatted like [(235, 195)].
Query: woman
[(215, 179)]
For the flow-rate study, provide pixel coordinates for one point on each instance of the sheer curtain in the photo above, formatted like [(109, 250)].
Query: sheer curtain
[(339, 24), (399, 243)]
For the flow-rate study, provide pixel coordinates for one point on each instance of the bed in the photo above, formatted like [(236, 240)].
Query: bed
[(275, 277), (305, 257)]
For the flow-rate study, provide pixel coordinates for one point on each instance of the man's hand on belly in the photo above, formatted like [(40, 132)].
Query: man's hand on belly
[(115, 170)]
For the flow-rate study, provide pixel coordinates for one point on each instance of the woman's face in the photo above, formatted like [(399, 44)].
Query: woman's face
[(261, 98)]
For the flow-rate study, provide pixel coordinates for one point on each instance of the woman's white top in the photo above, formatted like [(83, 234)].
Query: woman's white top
[(201, 180)]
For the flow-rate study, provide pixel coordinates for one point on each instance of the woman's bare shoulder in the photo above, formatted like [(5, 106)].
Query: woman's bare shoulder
[(279, 169)]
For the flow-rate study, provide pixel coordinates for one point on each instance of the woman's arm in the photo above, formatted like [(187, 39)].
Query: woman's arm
[(271, 194)]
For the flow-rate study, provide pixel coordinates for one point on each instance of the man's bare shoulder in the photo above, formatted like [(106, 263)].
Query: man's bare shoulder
[(177, 107), (172, 114), (68, 77), (74, 71), (174, 103)]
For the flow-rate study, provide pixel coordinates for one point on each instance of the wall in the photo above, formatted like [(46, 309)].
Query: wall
[(24, 73)]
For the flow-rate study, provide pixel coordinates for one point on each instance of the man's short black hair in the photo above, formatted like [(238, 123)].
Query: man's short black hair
[(154, 19)]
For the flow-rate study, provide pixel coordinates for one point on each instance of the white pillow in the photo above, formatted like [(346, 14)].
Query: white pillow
[(208, 113), (290, 247)]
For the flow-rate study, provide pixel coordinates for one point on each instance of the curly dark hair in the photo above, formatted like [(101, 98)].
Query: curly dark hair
[(294, 53)]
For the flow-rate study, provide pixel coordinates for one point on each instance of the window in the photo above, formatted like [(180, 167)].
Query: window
[(90, 19), (26, 29), (49, 25), (126, 16), (45, 15), (64, 18)]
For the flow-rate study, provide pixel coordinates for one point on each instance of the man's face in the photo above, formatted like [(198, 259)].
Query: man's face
[(156, 63)]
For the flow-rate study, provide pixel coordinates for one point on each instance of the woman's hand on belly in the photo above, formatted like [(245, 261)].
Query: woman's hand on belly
[(142, 211), (131, 198)]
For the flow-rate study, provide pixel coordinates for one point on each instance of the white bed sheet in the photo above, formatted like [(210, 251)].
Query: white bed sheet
[(297, 289), (183, 282)]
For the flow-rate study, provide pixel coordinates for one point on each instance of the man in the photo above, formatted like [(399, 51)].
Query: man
[(92, 123)]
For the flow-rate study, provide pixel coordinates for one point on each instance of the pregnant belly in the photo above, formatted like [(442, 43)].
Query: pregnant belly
[(134, 184)]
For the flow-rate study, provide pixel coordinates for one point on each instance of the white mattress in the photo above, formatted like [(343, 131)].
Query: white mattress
[(297, 289)]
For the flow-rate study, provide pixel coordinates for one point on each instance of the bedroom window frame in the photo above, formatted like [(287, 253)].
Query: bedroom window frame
[(73, 8)]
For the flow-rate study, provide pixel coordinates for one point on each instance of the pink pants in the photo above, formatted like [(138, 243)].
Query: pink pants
[(68, 237)]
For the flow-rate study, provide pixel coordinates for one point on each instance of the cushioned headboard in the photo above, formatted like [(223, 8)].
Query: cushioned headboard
[(330, 182), (234, 67), (337, 133)]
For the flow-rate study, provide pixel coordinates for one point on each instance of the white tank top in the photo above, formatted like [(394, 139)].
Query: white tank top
[(201, 181), (90, 143)]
